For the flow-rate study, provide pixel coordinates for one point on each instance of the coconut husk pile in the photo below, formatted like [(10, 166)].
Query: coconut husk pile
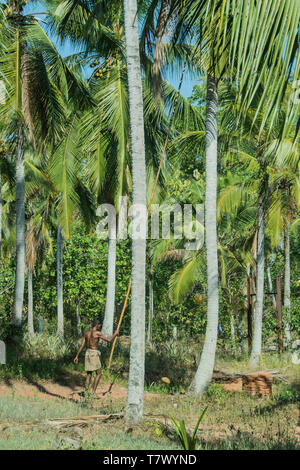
[(258, 384)]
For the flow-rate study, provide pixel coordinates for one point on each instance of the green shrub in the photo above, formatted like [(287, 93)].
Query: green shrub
[(217, 392), (288, 395), (46, 346)]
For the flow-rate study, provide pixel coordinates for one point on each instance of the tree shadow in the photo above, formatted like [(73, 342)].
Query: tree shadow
[(23, 366), (245, 440), (44, 390), (158, 365)]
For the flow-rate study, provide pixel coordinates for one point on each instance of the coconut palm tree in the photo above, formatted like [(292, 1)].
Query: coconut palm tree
[(6, 181), (38, 227), (284, 207), (238, 42), (205, 369), (243, 190), (106, 132), (31, 62), (135, 399)]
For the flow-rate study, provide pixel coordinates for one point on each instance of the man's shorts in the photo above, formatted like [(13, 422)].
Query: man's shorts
[(92, 360)]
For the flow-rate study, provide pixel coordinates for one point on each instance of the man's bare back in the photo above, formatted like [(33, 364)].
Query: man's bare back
[(92, 339)]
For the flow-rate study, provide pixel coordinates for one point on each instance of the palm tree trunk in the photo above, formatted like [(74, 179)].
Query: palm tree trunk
[(232, 330), (240, 334), (135, 398), (270, 283), (30, 304), (158, 53), (108, 322), (258, 310), (174, 333), (205, 370), (151, 305), (20, 230), (59, 273), (0, 214), (287, 285), (78, 321)]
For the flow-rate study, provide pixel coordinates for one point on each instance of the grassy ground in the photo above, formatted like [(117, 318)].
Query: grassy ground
[(233, 420), (23, 427)]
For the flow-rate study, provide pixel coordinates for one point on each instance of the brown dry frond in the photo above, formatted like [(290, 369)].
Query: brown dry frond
[(159, 53), (173, 255)]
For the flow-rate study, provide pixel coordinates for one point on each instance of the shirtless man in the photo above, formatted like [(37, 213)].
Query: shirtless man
[(92, 354)]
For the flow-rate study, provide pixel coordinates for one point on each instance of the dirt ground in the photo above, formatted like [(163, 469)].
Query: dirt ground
[(50, 390), (73, 390)]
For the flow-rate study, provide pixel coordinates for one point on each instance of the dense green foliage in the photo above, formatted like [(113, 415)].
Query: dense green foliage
[(85, 268)]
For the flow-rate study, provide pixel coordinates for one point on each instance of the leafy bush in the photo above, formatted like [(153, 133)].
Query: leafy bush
[(217, 392), (46, 346), (288, 395)]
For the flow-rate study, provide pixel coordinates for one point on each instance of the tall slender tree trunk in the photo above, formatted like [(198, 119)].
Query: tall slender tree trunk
[(135, 398), (270, 283), (174, 333), (151, 305), (249, 306), (250, 302), (240, 333), (258, 310), (30, 304), (279, 313), (158, 53), (233, 318), (287, 286), (108, 322), (205, 370), (232, 330), (78, 321), (59, 274), (0, 214), (20, 230)]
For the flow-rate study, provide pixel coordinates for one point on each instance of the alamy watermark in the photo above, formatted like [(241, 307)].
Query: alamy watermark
[(164, 222)]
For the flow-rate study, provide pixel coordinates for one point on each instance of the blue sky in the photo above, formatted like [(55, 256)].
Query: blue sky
[(67, 49)]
